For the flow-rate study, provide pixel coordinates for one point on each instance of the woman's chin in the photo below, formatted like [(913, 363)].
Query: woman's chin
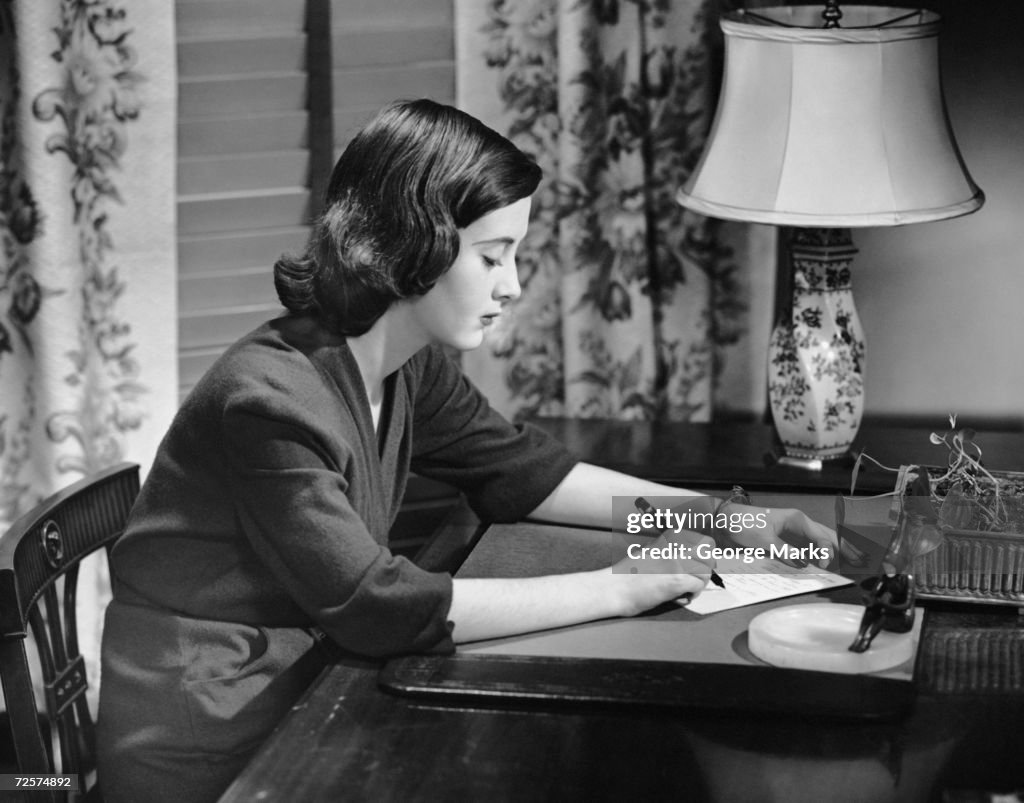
[(466, 342)]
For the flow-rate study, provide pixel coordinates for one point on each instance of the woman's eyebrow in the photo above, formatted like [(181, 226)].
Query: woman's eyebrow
[(495, 241)]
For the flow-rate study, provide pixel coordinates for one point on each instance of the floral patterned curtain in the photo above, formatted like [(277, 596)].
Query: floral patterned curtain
[(88, 325), (631, 307)]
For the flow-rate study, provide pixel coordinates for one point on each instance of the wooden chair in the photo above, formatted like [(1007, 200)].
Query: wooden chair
[(39, 559)]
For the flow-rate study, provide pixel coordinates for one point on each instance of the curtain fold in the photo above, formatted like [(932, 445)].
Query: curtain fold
[(88, 328), (632, 307)]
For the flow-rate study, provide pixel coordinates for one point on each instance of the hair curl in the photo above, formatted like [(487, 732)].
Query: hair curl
[(404, 186)]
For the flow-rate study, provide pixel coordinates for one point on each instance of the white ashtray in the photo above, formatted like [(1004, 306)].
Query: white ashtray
[(817, 636)]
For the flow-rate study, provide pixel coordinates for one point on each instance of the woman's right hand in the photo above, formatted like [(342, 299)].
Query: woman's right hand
[(646, 578)]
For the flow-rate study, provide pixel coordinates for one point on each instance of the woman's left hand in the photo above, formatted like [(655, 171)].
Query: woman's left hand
[(795, 535)]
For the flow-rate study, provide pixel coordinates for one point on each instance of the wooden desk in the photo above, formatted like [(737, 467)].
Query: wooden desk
[(348, 739), (723, 453)]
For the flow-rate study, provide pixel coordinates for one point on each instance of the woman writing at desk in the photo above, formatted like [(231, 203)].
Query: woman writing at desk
[(266, 513)]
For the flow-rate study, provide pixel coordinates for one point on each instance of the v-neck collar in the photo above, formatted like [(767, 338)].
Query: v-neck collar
[(358, 400)]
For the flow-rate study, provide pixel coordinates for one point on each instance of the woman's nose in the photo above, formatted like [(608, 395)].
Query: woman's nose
[(507, 287)]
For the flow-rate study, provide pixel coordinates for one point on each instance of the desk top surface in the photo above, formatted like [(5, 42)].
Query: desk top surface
[(349, 739)]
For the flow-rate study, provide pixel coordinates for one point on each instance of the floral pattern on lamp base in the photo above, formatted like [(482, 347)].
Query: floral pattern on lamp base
[(816, 357)]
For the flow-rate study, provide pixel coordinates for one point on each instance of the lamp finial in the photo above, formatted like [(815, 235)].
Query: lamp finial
[(832, 14)]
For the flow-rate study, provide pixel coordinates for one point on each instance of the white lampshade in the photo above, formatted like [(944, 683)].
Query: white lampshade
[(832, 127)]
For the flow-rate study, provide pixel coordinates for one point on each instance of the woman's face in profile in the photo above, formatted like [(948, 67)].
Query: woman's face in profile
[(469, 297)]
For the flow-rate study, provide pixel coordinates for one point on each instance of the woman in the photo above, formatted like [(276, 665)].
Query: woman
[(264, 520)]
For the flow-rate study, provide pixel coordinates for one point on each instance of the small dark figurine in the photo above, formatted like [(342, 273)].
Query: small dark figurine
[(888, 605)]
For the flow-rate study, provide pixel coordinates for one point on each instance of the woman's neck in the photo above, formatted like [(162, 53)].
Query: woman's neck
[(383, 349)]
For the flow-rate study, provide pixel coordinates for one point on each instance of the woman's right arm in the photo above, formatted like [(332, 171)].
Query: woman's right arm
[(493, 608)]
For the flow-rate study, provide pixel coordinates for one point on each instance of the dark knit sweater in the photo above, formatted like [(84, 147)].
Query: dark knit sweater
[(271, 497)]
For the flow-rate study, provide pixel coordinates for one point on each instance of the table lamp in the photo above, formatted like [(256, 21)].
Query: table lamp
[(828, 119)]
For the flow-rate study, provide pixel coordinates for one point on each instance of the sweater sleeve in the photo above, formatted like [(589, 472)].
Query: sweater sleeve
[(287, 478), (505, 470)]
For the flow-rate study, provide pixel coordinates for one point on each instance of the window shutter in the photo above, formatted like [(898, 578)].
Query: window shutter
[(261, 119), (243, 164)]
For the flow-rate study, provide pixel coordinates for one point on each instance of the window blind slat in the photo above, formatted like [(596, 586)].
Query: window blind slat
[(235, 17), (363, 47), (251, 133), (244, 286), (209, 253), (375, 86), (232, 212), (249, 171), (221, 327), (219, 56), (226, 95), (413, 13)]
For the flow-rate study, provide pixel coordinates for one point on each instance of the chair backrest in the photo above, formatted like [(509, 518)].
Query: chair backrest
[(39, 559)]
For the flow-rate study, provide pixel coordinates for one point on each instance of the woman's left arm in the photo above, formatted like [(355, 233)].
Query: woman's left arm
[(584, 498)]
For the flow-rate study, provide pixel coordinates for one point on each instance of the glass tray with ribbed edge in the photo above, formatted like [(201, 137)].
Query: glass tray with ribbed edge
[(973, 565)]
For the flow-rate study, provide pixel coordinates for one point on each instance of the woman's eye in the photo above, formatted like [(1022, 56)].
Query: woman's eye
[(491, 262)]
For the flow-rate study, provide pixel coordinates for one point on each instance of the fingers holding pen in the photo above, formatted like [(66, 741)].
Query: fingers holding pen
[(664, 569), (693, 550)]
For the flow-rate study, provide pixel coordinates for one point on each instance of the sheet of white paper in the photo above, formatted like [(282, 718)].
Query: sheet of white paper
[(761, 581)]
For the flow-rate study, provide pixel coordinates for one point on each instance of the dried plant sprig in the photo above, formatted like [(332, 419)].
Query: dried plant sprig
[(963, 467), (857, 466), (960, 492)]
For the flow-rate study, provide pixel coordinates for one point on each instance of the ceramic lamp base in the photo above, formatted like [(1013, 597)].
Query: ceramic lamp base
[(816, 354), (808, 462)]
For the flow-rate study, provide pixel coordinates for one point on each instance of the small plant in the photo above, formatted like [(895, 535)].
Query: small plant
[(963, 494)]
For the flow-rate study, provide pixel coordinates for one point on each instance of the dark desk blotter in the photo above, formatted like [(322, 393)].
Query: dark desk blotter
[(669, 633), (724, 676)]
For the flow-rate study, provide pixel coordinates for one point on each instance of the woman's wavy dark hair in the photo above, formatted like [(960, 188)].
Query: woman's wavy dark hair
[(417, 173)]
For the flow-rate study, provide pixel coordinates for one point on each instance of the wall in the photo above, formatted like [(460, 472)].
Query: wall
[(941, 303)]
